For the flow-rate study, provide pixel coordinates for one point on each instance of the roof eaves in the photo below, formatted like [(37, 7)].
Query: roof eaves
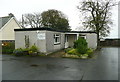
[(50, 29)]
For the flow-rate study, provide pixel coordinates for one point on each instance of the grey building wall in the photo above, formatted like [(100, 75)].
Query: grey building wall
[(44, 45), (49, 41), (41, 43), (50, 46), (19, 40), (33, 40), (62, 41)]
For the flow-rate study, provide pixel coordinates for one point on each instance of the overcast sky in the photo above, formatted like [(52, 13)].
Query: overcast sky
[(68, 7)]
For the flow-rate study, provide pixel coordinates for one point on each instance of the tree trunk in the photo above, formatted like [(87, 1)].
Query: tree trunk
[(98, 41)]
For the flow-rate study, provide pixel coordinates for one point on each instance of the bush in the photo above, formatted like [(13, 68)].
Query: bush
[(33, 48), (68, 49), (18, 52), (7, 51), (85, 55), (8, 47), (33, 51), (25, 49), (81, 45), (90, 53), (70, 56), (73, 52)]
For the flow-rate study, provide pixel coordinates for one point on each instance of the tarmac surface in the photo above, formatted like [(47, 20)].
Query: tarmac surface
[(104, 66)]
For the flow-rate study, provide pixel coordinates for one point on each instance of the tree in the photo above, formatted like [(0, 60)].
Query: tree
[(97, 16), (32, 20), (55, 19)]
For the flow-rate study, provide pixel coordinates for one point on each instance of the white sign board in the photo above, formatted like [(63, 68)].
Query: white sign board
[(41, 36)]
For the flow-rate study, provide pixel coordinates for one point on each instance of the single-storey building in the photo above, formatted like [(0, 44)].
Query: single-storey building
[(49, 40)]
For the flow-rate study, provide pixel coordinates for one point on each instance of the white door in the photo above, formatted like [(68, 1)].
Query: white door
[(66, 41)]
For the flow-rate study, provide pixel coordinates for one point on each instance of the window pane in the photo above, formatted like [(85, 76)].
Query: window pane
[(56, 38)]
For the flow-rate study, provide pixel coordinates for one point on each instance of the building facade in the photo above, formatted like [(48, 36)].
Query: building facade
[(49, 40)]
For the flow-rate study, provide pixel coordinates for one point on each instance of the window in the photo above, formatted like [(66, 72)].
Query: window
[(83, 36), (56, 39)]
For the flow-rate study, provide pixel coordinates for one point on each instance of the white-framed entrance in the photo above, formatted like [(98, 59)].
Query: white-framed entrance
[(70, 38)]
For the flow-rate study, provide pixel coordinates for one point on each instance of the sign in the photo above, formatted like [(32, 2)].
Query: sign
[(41, 36)]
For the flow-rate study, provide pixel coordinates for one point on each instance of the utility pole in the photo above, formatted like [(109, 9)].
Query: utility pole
[(22, 21)]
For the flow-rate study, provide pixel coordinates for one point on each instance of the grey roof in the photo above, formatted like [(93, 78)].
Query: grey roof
[(4, 20)]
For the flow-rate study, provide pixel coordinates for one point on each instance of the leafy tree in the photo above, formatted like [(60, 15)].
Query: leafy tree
[(32, 20), (55, 19), (97, 16)]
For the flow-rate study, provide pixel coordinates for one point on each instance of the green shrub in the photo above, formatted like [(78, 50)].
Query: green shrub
[(70, 56), (33, 48), (7, 51), (90, 53), (8, 47), (81, 45), (25, 49), (18, 52), (85, 55), (73, 51), (68, 49)]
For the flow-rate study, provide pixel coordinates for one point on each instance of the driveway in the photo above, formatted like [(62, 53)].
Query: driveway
[(104, 66)]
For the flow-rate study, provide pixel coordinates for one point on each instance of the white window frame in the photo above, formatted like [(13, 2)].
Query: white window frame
[(58, 37), (83, 36), (66, 38)]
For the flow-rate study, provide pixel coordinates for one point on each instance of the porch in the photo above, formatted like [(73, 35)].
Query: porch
[(70, 38)]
